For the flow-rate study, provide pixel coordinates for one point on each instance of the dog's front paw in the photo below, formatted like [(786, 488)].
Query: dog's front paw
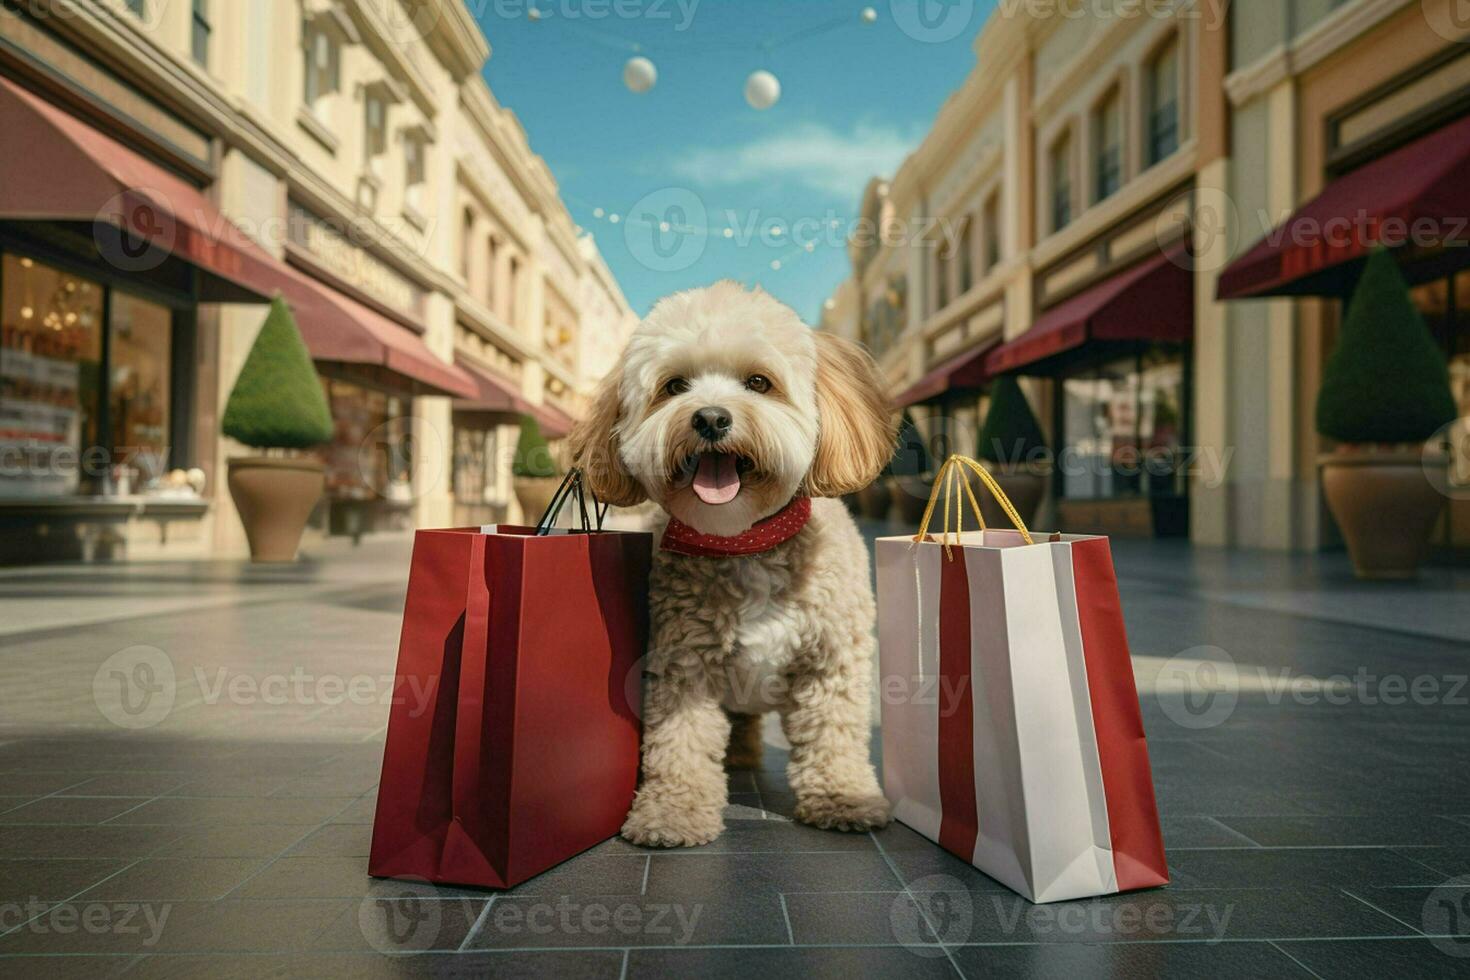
[(659, 824), (841, 811)]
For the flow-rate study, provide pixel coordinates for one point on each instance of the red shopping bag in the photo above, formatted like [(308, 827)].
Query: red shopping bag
[(513, 735)]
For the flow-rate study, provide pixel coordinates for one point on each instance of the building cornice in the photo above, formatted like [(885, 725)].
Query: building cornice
[(1323, 39)]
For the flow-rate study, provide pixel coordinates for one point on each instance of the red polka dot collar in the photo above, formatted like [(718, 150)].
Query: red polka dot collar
[(764, 535)]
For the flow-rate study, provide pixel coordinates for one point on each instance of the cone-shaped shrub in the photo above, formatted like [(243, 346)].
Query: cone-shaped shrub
[(277, 401), (911, 458), (1011, 433), (533, 455), (1386, 380)]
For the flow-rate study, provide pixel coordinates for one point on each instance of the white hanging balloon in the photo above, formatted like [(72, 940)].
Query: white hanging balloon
[(869, 15), (639, 75), (762, 90)]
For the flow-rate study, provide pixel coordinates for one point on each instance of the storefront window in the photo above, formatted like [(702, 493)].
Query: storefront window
[(1122, 428), (50, 380), (370, 453), (138, 396), (476, 452), (1445, 306)]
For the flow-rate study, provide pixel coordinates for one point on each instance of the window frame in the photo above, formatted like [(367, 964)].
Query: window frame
[(1153, 132), (201, 32), (1061, 207), (1107, 159)]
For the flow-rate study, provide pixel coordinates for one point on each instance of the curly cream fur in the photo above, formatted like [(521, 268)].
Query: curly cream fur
[(789, 630)]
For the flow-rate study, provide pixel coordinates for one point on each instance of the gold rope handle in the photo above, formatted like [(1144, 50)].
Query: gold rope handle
[(953, 475)]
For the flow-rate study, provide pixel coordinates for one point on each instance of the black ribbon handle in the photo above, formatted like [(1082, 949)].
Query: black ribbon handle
[(571, 486)]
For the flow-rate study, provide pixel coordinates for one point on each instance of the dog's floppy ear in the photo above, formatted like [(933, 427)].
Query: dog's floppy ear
[(595, 448), (857, 428)]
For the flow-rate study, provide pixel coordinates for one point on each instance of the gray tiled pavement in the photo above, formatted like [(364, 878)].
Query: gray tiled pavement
[(1316, 807)]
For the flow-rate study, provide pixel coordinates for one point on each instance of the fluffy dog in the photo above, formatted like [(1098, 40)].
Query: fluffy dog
[(730, 413)]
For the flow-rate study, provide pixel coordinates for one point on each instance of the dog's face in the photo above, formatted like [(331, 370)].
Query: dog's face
[(726, 405)]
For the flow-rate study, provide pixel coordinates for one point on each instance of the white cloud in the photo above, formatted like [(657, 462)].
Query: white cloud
[(813, 155)]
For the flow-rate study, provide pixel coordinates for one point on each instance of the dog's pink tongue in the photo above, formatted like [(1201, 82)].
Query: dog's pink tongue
[(715, 478)]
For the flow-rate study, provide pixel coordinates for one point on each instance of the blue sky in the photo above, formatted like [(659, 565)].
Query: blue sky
[(691, 153)]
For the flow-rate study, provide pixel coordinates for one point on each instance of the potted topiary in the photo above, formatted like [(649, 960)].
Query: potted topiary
[(534, 470), (277, 404), (912, 470), (1385, 392), (1013, 447)]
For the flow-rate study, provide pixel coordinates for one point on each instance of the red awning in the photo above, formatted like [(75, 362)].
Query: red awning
[(1151, 301), (59, 168), (1420, 190), (338, 328), (965, 371), (498, 396)]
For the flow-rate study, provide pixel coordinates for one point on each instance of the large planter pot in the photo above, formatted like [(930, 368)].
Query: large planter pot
[(535, 493), (874, 500), (275, 495), (1386, 506), (1022, 485)]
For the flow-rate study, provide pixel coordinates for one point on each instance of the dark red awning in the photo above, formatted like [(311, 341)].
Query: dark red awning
[(1424, 185), (58, 168), (496, 395), (1151, 301), (962, 372), (338, 328)]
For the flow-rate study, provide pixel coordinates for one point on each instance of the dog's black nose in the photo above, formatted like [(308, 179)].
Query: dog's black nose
[(711, 423)]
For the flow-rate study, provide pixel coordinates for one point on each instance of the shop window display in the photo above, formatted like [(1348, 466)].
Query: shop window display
[(369, 456), (1122, 428), (1445, 305), (138, 393), (50, 380)]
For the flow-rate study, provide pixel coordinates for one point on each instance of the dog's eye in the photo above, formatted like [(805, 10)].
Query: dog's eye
[(676, 386), (758, 383)]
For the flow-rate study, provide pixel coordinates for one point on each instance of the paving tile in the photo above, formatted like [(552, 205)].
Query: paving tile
[(751, 837), (318, 877), (359, 811), (228, 785), (541, 965), (698, 875), (741, 918), (1443, 910), (1449, 861), (394, 926), (1169, 915), (65, 967), (1379, 958), (232, 841), (1239, 961), (127, 784), (222, 811), (336, 840), (1275, 867), (1353, 830), (603, 873), (857, 918), (34, 784), (174, 879), (57, 841), (841, 963), (55, 879), (82, 810), (1200, 832)]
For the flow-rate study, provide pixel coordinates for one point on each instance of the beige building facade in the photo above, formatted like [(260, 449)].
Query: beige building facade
[(348, 155), (1074, 216)]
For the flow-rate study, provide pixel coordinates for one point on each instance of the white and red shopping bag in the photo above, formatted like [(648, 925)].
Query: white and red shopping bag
[(1011, 728)]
